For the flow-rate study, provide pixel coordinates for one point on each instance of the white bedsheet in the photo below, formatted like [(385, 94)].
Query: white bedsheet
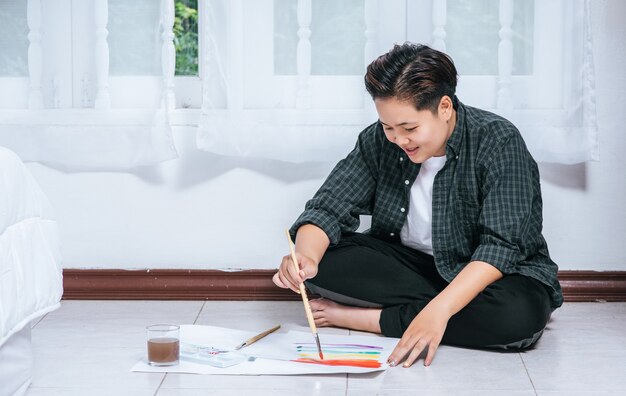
[(16, 363), (30, 262)]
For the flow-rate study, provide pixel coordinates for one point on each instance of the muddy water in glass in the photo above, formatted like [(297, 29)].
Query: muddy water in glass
[(163, 351), (163, 345)]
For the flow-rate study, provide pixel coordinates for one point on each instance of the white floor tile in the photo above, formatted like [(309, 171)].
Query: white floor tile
[(93, 344), (88, 348), (441, 392), (308, 383), (86, 368), (581, 393), (582, 310), (88, 391), (452, 369), (109, 324), (586, 326), (126, 309), (581, 371), (252, 392)]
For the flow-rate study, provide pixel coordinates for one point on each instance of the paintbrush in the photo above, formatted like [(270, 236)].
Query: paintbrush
[(256, 337), (305, 299)]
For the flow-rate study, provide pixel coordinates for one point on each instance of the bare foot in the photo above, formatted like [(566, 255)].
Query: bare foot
[(330, 313)]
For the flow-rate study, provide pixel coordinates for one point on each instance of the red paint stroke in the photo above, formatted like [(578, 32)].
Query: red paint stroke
[(342, 362)]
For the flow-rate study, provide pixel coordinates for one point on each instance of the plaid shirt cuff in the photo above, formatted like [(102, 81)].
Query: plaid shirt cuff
[(320, 218), (503, 258)]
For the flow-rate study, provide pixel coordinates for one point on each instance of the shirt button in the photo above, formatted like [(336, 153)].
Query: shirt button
[(392, 234), (402, 210), (457, 157), (401, 159), (406, 182)]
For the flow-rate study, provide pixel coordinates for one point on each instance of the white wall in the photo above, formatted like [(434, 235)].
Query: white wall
[(209, 212)]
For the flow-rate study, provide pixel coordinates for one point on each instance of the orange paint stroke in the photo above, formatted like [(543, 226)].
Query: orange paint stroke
[(342, 362)]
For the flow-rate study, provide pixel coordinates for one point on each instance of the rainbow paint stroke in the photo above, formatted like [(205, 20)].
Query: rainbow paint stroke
[(353, 355)]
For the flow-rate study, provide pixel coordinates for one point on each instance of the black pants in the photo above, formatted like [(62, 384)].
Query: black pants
[(364, 271)]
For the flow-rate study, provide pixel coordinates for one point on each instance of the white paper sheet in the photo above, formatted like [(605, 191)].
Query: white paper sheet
[(275, 354)]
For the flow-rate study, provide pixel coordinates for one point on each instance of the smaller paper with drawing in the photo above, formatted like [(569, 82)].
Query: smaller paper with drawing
[(206, 350)]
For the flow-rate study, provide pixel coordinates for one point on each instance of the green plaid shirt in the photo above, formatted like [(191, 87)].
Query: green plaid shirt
[(486, 199)]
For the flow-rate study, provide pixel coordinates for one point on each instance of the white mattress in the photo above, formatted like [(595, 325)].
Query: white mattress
[(30, 263)]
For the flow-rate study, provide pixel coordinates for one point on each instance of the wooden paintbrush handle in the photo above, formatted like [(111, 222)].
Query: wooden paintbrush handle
[(259, 336), (307, 309), (305, 299)]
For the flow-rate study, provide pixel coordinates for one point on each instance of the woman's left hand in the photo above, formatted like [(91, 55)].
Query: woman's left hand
[(426, 330)]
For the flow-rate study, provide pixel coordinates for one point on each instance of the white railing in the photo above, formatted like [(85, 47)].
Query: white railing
[(101, 15), (303, 96), (35, 66), (505, 56), (235, 55), (168, 53), (440, 13), (371, 34), (205, 53)]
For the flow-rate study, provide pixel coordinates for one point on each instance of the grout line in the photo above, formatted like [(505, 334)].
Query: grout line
[(39, 321), (165, 376), (199, 312), (160, 384), (527, 373)]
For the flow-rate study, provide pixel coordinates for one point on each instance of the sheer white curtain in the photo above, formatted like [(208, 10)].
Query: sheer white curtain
[(83, 84), (284, 79), (571, 134), (532, 62)]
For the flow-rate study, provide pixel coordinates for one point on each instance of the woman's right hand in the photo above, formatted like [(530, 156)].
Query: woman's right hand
[(288, 277)]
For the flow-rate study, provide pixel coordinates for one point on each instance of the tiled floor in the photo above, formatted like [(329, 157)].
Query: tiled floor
[(88, 348)]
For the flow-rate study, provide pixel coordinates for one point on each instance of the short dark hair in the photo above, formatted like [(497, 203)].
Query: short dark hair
[(412, 72)]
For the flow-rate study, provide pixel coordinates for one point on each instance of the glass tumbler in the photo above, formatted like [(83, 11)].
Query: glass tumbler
[(163, 344)]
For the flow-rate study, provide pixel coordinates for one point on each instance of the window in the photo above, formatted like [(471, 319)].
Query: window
[(472, 36), (186, 37), (135, 41), (95, 86), (259, 77), (294, 68)]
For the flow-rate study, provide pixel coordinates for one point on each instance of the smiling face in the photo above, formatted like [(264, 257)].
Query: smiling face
[(421, 134)]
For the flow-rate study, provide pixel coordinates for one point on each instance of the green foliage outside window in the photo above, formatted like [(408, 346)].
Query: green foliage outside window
[(186, 37)]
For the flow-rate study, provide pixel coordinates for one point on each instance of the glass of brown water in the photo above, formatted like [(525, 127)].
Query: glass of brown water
[(163, 344)]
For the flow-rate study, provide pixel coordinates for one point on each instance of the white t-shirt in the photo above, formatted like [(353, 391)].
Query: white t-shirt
[(417, 229)]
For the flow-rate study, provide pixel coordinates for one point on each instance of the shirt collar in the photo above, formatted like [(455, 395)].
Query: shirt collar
[(454, 141)]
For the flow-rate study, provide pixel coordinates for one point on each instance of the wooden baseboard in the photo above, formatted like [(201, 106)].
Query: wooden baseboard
[(581, 286), (171, 284), (179, 284)]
